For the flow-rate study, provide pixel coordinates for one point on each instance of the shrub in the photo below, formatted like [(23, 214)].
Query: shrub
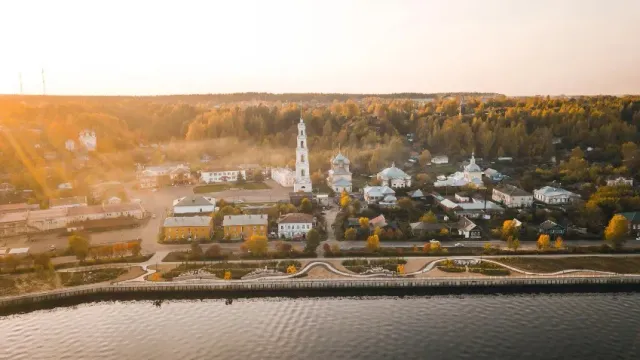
[(452, 269)]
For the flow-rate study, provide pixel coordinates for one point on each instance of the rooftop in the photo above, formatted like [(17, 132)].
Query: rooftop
[(234, 220), (632, 217), (548, 224), (553, 191), (512, 190), (13, 217), (340, 159), (200, 221), (378, 190), (68, 201), (295, 218), (194, 200), (393, 173), (13, 207)]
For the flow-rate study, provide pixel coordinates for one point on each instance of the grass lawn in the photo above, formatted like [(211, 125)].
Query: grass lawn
[(614, 264), (209, 188)]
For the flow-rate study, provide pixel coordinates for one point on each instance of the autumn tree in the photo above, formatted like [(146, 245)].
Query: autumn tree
[(425, 157), (509, 229), (257, 245), (345, 200), (616, 231), (373, 243), (214, 251), (350, 234), (79, 246), (313, 240), (364, 222), (429, 218), (356, 205), (405, 203), (543, 242), (195, 251), (135, 248), (306, 206)]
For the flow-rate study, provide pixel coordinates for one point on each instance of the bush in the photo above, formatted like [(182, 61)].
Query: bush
[(491, 272), (452, 269), (89, 277)]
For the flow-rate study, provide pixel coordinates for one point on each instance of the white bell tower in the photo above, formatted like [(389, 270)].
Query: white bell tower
[(303, 178)]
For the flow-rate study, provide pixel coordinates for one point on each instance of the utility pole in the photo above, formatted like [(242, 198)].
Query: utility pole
[(44, 87)]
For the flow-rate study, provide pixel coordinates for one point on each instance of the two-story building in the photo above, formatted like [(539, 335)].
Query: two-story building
[(219, 176), (244, 226), (294, 225), (511, 196), (620, 181), (554, 196), (377, 194), (188, 227), (194, 204)]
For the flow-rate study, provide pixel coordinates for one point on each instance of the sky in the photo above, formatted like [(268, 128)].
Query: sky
[(140, 47)]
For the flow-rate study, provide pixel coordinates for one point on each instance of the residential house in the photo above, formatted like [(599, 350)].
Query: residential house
[(620, 181), (70, 145), (471, 175), (377, 194), (552, 195), (244, 226), (424, 229), (552, 229), (378, 222), (156, 176), (394, 177), (180, 174), (440, 159), (512, 196), (473, 209), (188, 227), (113, 200), (417, 195), (194, 204), (633, 220), (493, 175), (294, 225), (88, 139), (468, 229), (68, 202), (223, 175), (13, 223)]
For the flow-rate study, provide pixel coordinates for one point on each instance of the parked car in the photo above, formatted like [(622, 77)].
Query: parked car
[(458, 245)]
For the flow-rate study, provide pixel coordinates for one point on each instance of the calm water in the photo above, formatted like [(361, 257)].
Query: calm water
[(577, 326)]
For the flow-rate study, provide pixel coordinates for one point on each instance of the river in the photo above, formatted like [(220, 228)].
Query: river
[(538, 326)]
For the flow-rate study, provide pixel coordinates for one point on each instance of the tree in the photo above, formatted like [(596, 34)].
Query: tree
[(559, 243), (12, 262), (136, 248), (425, 157), (616, 230), (335, 248), (257, 244), (241, 180), (196, 251), (436, 246), (516, 244), (444, 232), (577, 153), (509, 229), (426, 247), (543, 242), (405, 203), (356, 205), (345, 200), (364, 222), (373, 243), (429, 218), (350, 234), (79, 246), (214, 251), (283, 247), (306, 206), (487, 248), (313, 240), (42, 262), (258, 176)]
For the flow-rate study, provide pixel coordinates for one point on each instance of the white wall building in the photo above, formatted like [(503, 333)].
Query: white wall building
[(376, 194), (220, 176), (394, 177), (552, 195), (88, 139), (294, 225), (283, 176), (440, 159), (303, 178), (620, 181), (194, 204), (340, 178), (512, 196), (70, 145), (471, 175)]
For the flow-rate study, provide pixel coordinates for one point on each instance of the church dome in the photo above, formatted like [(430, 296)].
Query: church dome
[(340, 159), (472, 167), (393, 173)]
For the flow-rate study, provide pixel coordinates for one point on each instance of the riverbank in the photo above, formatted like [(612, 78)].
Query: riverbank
[(317, 288)]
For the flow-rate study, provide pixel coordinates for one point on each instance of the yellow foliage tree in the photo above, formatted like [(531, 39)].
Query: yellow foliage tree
[(400, 269), (345, 200), (444, 231), (155, 277), (373, 242), (543, 242), (616, 230), (291, 269), (227, 275), (426, 248), (508, 229), (436, 246), (429, 218), (257, 244), (559, 243), (377, 231), (350, 234), (364, 222)]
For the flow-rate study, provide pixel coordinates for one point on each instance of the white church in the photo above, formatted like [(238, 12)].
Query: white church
[(303, 178), (339, 178), (472, 175)]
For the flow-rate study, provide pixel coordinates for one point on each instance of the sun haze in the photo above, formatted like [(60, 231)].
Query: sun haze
[(361, 46)]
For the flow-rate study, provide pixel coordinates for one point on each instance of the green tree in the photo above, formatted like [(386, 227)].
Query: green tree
[(313, 240), (405, 203), (306, 206), (214, 251), (355, 204), (350, 234), (79, 246), (425, 157), (136, 249), (196, 251)]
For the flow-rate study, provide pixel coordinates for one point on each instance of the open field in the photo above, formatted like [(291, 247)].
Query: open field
[(623, 265)]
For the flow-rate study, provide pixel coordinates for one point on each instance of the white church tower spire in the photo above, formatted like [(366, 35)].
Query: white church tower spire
[(303, 178)]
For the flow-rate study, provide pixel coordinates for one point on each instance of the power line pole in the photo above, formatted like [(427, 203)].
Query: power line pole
[(44, 87)]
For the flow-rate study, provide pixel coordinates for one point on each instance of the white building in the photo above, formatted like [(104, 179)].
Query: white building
[(512, 196), (471, 175), (283, 176), (150, 177), (440, 159), (194, 204), (219, 176), (65, 186), (552, 195), (340, 176), (303, 178), (620, 181), (68, 202), (394, 177), (88, 139), (70, 145), (294, 225), (377, 194), (49, 219)]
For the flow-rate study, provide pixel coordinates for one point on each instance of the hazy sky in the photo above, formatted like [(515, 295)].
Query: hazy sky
[(516, 47)]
